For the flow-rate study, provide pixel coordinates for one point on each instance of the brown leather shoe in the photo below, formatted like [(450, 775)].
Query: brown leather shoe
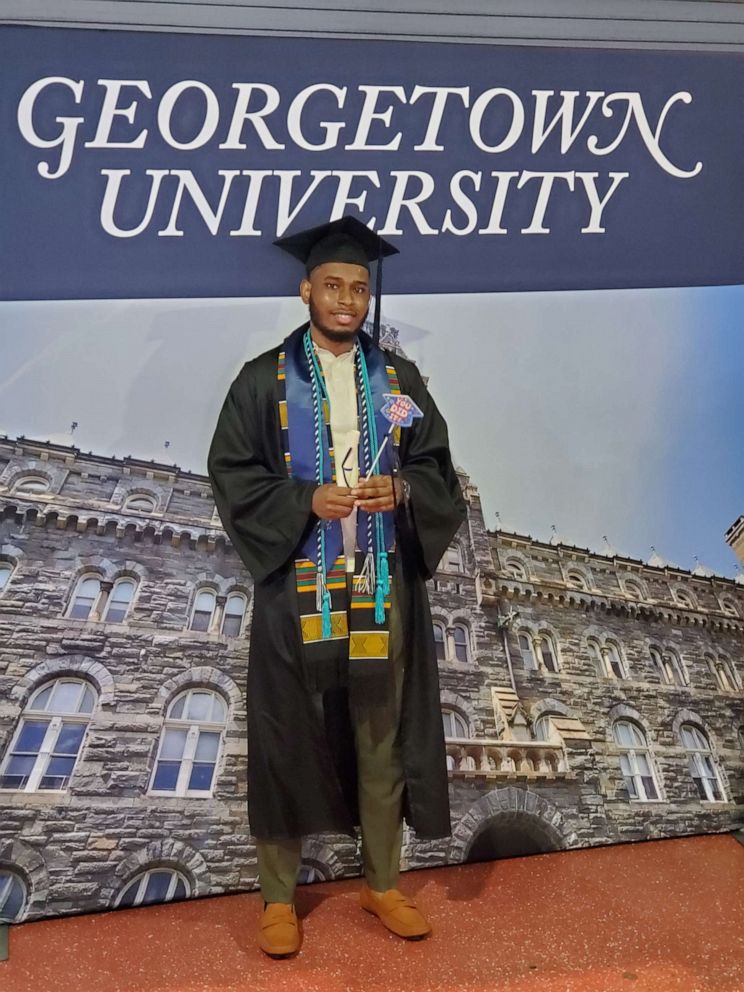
[(280, 933), (397, 911)]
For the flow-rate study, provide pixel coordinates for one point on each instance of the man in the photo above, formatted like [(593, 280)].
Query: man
[(343, 712)]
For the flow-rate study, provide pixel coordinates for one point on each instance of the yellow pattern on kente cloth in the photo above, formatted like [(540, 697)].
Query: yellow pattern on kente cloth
[(283, 419), (312, 627), (368, 644)]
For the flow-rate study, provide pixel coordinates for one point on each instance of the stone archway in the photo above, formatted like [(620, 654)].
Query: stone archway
[(510, 835), (507, 823)]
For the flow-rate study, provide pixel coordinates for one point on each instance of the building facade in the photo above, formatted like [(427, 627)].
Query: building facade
[(586, 699)]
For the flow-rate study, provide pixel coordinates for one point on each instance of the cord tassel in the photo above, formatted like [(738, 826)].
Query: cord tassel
[(326, 614), (365, 582)]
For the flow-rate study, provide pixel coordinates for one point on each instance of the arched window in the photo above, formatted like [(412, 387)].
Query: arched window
[(723, 673), (46, 745), (684, 598), (527, 651), (119, 601), (633, 589), (515, 569), (30, 484), (6, 570), (190, 744), (658, 664), (548, 653), (440, 642), (577, 580), (595, 656), (701, 764), (140, 503), (455, 724), (232, 621), (85, 597), (153, 886), (452, 561), (675, 673), (614, 660), (543, 728), (451, 766), (461, 636), (635, 761), (12, 896), (728, 606), (204, 604), (311, 871)]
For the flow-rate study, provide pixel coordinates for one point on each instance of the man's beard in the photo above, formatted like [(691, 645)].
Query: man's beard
[(330, 332)]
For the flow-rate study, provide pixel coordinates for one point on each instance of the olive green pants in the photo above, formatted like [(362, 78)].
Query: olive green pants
[(381, 783)]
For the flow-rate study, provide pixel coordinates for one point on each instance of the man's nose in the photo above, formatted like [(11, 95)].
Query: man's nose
[(344, 295)]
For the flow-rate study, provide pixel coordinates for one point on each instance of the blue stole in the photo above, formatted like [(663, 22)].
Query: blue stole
[(303, 424)]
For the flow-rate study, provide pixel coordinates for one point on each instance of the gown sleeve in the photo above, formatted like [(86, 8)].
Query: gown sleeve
[(437, 506), (265, 512)]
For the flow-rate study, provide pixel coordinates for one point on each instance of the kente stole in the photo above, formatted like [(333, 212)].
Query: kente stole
[(341, 639)]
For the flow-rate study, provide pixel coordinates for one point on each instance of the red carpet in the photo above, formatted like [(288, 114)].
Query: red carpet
[(662, 916)]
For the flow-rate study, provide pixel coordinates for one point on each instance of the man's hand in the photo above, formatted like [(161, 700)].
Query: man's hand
[(374, 495), (330, 502)]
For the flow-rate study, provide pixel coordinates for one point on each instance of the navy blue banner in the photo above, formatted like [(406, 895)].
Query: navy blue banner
[(155, 165)]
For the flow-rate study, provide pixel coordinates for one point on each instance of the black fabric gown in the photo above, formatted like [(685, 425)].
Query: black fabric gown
[(301, 757)]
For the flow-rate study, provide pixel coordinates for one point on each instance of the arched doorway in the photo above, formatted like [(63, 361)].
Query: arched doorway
[(511, 835)]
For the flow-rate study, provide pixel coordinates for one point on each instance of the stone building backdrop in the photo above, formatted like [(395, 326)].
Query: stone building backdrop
[(587, 698)]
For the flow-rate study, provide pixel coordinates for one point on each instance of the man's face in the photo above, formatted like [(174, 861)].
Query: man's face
[(337, 294)]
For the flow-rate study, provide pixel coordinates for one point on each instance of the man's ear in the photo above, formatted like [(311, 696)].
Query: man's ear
[(305, 288)]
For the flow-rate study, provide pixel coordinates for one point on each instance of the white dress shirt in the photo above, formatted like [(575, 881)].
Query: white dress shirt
[(338, 371)]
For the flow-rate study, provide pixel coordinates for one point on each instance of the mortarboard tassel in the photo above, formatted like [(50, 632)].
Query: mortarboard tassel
[(378, 297)]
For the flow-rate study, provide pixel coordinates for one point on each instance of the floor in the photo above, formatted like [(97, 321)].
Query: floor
[(666, 916)]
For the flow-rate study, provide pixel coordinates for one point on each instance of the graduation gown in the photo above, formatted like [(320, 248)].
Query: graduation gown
[(301, 757)]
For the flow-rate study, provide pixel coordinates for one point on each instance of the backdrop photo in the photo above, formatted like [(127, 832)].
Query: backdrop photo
[(568, 284)]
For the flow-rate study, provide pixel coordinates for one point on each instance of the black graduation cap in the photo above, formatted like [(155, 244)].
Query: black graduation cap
[(343, 240)]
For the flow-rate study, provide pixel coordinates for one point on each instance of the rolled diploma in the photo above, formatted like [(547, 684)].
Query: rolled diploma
[(354, 444)]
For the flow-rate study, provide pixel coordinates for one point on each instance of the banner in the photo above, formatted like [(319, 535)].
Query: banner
[(172, 162), (568, 284)]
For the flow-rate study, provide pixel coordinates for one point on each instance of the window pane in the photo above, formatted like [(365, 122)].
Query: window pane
[(201, 620), (88, 702), (688, 737), (547, 654), (622, 734), (174, 743), (649, 787), (642, 763), (166, 775), (199, 706), (439, 642), (57, 774), (157, 887), (11, 896), (176, 709), (205, 601), (4, 576), (207, 747), (235, 606), (461, 643), (66, 697), (31, 736), (81, 607), (69, 738), (201, 775), (130, 892), (180, 891), (219, 711), (18, 771), (231, 625)]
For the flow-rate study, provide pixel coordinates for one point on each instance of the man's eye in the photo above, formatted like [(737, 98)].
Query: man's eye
[(360, 289)]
